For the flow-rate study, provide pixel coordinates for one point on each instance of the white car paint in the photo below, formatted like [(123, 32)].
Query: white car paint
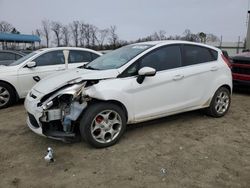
[(21, 77), (168, 92)]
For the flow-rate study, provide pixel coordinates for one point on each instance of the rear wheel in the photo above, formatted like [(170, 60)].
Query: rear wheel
[(7, 95), (220, 103), (102, 124)]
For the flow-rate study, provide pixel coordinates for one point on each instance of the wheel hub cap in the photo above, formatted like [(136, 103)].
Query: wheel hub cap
[(106, 126), (4, 96), (222, 102)]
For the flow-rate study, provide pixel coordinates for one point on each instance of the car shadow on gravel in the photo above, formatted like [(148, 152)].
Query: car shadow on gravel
[(19, 102), (167, 120), (241, 90)]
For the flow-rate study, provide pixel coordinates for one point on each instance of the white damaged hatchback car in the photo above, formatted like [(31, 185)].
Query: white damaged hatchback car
[(135, 83)]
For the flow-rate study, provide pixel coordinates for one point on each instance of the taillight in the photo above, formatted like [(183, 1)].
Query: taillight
[(226, 61)]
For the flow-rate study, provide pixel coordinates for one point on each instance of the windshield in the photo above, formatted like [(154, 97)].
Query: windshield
[(24, 58), (117, 58)]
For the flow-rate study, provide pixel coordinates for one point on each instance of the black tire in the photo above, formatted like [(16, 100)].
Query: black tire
[(6, 88), (91, 114), (212, 110)]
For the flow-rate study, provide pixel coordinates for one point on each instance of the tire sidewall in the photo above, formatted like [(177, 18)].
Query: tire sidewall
[(87, 119)]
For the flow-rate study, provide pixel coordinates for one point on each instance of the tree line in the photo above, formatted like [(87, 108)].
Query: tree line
[(82, 34)]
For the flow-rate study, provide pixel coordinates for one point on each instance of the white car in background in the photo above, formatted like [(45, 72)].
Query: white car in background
[(20, 76), (135, 83)]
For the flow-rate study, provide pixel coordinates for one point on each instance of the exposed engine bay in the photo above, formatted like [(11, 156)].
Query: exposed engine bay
[(62, 108)]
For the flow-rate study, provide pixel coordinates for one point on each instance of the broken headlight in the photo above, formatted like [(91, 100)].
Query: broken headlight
[(74, 92)]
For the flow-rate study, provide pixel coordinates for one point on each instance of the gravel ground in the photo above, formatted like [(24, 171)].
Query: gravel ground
[(186, 150)]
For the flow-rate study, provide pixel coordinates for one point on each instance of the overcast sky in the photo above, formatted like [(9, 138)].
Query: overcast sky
[(134, 18)]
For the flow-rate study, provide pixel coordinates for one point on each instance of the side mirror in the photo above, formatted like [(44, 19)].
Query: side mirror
[(144, 72), (31, 64)]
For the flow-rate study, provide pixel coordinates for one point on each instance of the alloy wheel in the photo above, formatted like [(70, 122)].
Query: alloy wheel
[(4, 96), (222, 102), (106, 126)]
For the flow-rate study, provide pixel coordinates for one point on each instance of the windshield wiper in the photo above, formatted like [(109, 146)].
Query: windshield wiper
[(87, 67), (90, 68)]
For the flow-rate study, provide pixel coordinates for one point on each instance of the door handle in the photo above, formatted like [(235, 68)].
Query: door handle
[(215, 68), (60, 69), (36, 78), (178, 77)]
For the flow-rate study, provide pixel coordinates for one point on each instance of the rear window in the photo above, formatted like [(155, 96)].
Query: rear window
[(197, 54), (7, 56)]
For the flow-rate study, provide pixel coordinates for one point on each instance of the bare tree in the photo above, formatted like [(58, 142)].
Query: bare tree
[(160, 35), (65, 35), (46, 31), (38, 32), (56, 27), (87, 34), (82, 34), (101, 36), (75, 31), (5, 27), (212, 38), (93, 33), (113, 38), (189, 36)]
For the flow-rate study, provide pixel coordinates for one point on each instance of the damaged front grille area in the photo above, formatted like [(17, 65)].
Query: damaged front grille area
[(33, 121), (55, 129), (61, 112), (57, 114)]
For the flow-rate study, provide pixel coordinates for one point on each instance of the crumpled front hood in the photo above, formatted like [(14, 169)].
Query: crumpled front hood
[(50, 83)]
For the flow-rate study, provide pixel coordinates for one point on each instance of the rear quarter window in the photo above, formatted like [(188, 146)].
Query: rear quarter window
[(193, 55), (77, 56)]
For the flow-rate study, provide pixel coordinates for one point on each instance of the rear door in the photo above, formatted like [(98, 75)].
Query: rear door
[(200, 67), (46, 64)]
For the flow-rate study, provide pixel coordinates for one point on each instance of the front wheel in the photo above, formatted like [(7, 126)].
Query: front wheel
[(220, 103), (102, 124), (7, 95)]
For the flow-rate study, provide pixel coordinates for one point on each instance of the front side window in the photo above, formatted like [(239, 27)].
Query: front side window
[(117, 58), (50, 58), (193, 55), (77, 56), (164, 58)]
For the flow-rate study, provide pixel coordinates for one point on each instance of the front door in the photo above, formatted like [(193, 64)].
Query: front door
[(46, 64), (166, 91)]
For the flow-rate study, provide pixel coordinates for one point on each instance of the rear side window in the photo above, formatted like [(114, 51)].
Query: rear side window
[(193, 55), (50, 58), (77, 56), (7, 56)]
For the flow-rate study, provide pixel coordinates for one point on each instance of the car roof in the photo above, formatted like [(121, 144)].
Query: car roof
[(68, 48), (165, 42), (13, 51)]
